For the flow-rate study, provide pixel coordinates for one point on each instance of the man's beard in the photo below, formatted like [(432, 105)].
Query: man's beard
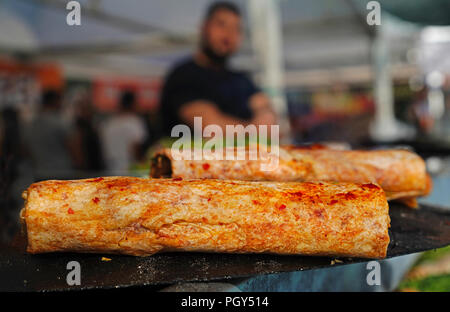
[(213, 56)]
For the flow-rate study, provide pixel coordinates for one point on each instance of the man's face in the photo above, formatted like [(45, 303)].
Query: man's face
[(222, 33)]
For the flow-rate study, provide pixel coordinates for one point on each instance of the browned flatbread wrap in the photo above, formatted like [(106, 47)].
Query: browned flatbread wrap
[(402, 174), (143, 216)]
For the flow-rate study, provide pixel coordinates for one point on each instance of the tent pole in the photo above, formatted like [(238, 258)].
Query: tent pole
[(266, 37), (384, 127)]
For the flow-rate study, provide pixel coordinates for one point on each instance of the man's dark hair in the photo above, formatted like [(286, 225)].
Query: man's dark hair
[(221, 5), (127, 100), (51, 99)]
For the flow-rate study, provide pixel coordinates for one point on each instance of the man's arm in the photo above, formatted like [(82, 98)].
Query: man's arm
[(259, 104), (263, 113), (210, 114)]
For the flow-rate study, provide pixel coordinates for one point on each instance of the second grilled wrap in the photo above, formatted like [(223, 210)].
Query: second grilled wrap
[(401, 173)]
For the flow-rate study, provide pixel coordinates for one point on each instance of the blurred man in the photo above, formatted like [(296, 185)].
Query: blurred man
[(204, 86), (123, 136), (48, 140)]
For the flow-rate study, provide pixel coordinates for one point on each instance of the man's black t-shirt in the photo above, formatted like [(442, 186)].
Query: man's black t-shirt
[(229, 90)]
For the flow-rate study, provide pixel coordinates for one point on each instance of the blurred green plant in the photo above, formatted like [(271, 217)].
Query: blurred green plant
[(440, 283), (430, 283)]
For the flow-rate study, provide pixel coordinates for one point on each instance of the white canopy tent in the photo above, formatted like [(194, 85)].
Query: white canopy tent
[(145, 37)]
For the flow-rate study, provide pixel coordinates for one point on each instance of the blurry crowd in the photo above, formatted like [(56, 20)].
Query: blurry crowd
[(58, 148)]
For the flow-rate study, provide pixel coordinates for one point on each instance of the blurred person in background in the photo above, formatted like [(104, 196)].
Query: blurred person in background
[(87, 146), (123, 136), (10, 157), (420, 113), (204, 85), (153, 124), (10, 145), (47, 139)]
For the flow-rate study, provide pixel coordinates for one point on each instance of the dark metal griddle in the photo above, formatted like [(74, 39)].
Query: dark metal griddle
[(411, 231)]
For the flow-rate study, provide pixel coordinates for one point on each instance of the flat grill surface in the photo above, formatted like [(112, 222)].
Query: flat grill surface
[(411, 231)]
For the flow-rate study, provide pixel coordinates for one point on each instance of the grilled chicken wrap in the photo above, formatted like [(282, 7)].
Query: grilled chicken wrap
[(143, 216), (402, 174)]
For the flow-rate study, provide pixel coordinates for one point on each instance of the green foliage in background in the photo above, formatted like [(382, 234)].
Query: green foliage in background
[(431, 283), (440, 283)]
